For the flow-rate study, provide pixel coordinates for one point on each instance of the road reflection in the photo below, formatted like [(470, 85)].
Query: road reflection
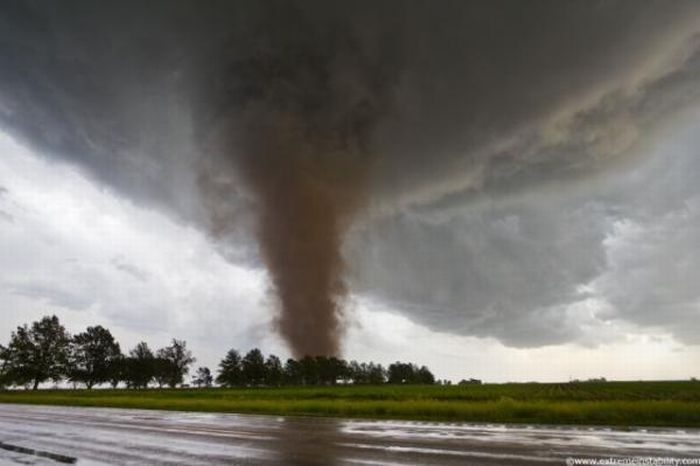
[(308, 441)]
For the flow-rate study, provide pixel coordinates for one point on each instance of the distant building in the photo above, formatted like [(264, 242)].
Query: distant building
[(470, 382), (593, 380)]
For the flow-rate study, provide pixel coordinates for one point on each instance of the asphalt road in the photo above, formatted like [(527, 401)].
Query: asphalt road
[(87, 436)]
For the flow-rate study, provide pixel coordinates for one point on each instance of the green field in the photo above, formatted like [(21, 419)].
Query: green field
[(607, 403)]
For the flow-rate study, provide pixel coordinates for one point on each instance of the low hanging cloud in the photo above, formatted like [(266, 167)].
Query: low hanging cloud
[(472, 163)]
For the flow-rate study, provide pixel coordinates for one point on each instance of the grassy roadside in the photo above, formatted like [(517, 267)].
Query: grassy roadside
[(611, 403)]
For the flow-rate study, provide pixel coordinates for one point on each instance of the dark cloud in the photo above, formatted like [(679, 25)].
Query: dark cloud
[(498, 270), (654, 264), (489, 132), (115, 87)]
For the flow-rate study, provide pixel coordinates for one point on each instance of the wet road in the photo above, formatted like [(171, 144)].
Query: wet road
[(87, 436)]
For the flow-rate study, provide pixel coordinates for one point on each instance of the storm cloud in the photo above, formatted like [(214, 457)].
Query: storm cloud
[(510, 178)]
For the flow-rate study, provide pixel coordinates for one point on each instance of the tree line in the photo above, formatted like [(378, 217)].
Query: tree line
[(45, 352)]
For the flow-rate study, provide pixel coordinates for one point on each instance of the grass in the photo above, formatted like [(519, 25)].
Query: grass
[(609, 403)]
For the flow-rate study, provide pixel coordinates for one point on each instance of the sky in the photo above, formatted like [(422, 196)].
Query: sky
[(504, 190)]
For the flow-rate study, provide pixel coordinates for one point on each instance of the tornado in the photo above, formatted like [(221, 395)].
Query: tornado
[(308, 191), (300, 104)]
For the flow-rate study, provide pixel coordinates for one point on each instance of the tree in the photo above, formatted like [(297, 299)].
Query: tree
[(254, 368), (230, 370), (4, 367), (180, 359), (163, 370), (376, 374), (203, 378), (337, 370), (292, 372), (91, 356), (117, 371), (139, 366), (329, 370), (357, 372), (401, 373), (309, 370), (406, 373), (38, 353), (424, 376), (274, 373), (324, 371)]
